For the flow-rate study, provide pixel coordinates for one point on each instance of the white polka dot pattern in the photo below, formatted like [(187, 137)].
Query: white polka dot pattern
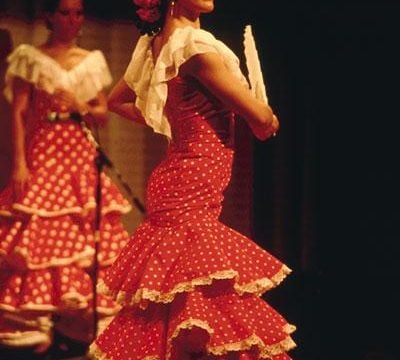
[(190, 285), (46, 235)]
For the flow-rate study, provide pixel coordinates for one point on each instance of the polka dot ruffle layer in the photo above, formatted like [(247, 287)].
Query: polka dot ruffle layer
[(190, 286)]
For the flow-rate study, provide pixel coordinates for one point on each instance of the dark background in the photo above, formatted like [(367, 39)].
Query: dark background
[(326, 189), (331, 69)]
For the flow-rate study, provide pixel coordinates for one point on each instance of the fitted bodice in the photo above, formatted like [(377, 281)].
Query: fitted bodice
[(196, 116), (198, 165)]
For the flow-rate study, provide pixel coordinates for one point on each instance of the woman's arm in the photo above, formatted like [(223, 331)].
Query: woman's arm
[(122, 102), (210, 70), (20, 104)]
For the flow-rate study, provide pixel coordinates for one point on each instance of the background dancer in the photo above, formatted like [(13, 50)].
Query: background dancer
[(47, 210)]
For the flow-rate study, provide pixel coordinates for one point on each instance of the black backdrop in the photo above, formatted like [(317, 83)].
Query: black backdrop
[(326, 198)]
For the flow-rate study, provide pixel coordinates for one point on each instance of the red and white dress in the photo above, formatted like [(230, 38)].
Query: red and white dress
[(46, 235), (190, 286)]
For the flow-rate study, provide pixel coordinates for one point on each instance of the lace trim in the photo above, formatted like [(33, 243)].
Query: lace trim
[(6, 213), (96, 353), (257, 287), (51, 308), (74, 301), (266, 352), (260, 286), (124, 298), (55, 262), (108, 311), (42, 322), (26, 338), (187, 324), (83, 259), (244, 345), (123, 209)]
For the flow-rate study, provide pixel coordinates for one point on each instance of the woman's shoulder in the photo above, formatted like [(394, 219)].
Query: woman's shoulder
[(24, 51), (192, 40)]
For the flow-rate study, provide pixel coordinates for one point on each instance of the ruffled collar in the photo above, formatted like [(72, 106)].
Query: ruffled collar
[(85, 79), (148, 77)]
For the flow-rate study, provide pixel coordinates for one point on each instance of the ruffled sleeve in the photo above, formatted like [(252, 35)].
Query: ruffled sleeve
[(25, 63), (149, 80)]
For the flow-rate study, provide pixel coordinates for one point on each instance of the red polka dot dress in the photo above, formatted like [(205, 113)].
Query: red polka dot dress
[(47, 235), (190, 286)]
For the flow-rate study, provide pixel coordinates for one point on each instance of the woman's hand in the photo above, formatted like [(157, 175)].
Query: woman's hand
[(20, 177), (263, 131), (65, 101)]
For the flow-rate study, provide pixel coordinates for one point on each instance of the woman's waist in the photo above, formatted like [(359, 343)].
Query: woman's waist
[(169, 216)]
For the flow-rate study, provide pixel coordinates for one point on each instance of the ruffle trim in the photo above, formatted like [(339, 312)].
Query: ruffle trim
[(84, 258), (71, 301), (143, 295), (122, 209), (266, 351), (42, 322), (87, 78), (25, 338), (149, 80)]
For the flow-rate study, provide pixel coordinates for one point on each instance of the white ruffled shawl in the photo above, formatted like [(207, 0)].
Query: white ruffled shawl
[(149, 80), (85, 79)]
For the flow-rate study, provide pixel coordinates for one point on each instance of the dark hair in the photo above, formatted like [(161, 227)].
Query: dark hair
[(145, 27), (51, 6)]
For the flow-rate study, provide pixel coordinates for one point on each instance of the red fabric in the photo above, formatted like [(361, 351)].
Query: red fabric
[(190, 285), (47, 235)]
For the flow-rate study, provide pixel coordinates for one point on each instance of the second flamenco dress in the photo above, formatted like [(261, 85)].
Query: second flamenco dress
[(190, 286), (46, 235)]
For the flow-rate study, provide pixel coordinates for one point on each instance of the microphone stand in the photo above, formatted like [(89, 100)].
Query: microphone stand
[(101, 160)]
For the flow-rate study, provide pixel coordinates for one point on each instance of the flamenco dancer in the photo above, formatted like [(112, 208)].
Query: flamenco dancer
[(47, 210), (190, 286)]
